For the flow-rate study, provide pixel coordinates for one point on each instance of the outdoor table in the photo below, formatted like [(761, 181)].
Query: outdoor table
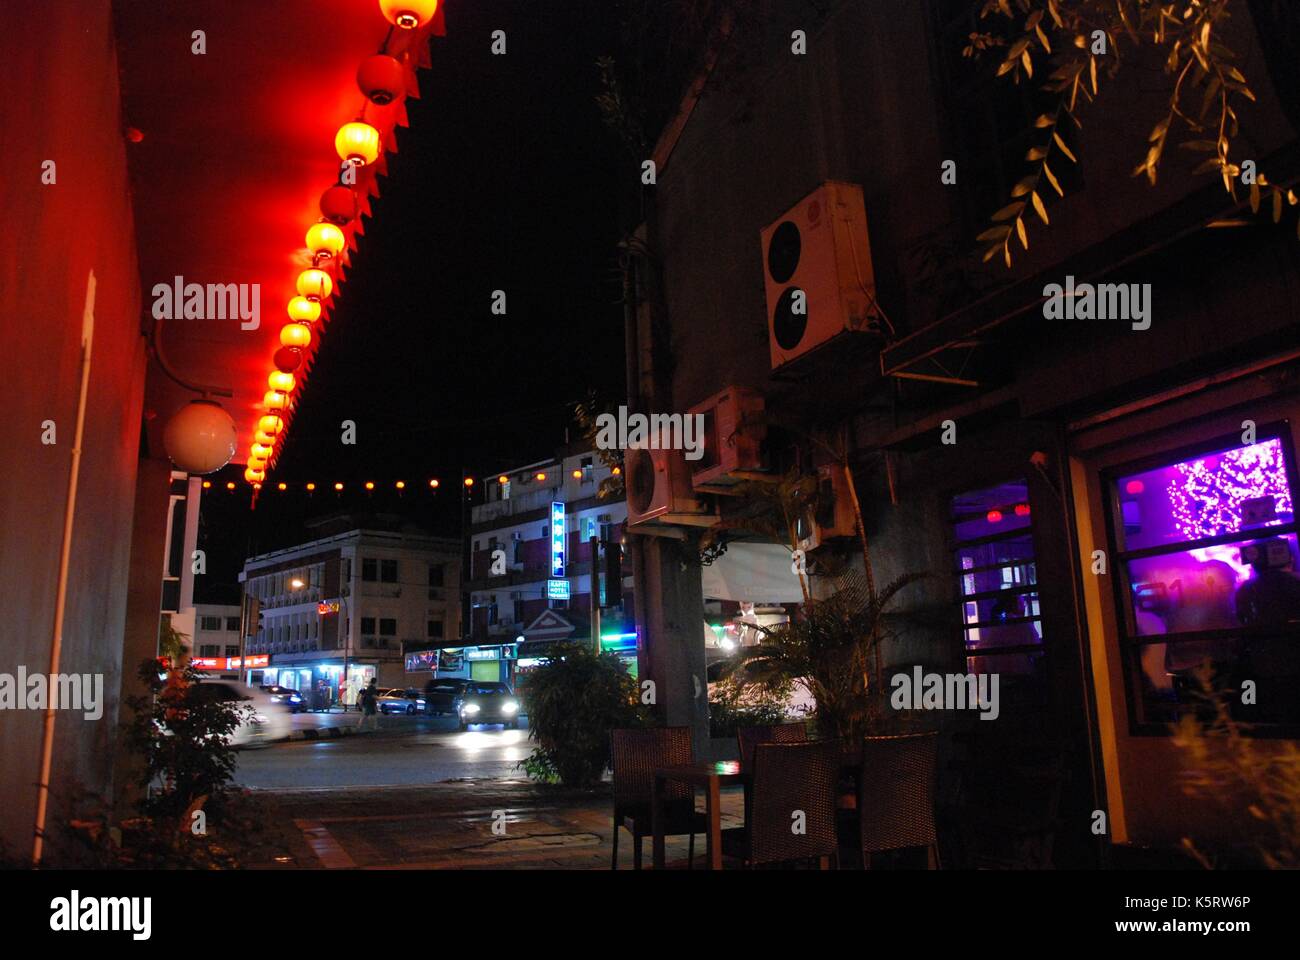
[(711, 776)]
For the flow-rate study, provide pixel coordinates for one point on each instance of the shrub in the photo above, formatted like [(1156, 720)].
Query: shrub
[(183, 737), (573, 701)]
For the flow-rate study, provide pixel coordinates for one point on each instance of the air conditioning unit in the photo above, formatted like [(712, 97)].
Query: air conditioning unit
[(732, 440), (833, 517), (659, 490), (817, 272)]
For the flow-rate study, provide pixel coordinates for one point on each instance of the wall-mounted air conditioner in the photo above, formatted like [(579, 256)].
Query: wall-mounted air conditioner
[(817, 272), (833, 517), (733, 439), (659, 490)]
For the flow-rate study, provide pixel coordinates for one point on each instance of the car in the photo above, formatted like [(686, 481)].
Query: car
[(266, 720), (489, 702), (445, 695), (397, 700), (286, 696)]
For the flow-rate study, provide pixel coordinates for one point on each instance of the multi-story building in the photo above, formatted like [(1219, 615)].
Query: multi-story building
[(339, 610), (530, 545), (214, 645)]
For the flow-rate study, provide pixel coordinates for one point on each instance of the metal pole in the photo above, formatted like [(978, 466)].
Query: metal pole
[(65, 553), (595, 593)]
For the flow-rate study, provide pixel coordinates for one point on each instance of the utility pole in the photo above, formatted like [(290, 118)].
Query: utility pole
[(595, 593)]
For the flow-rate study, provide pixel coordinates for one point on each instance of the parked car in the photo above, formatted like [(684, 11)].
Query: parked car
[(268, 720), (489, 702), (402, 701), (285, 696), (445, 695)]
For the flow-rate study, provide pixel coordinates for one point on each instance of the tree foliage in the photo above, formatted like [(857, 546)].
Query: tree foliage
[(573, 701), (183, 736), (1072, 45)]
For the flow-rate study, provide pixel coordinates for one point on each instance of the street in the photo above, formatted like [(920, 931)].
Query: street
[(406, 751)]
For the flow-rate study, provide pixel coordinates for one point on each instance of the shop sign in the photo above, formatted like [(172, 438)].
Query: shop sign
[(254, 662), (421, 660), (324, 608), (483, 653), (557, 589)]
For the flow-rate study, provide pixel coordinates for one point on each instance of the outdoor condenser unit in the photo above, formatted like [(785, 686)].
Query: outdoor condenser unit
[(817, 272), (833, 518), (733, 436), (659, 490)]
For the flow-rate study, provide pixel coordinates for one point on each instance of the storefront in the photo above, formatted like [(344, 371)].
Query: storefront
[(1186, 516), (308, 678)]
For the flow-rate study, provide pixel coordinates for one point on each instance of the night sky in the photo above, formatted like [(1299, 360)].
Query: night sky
[(506, 179)]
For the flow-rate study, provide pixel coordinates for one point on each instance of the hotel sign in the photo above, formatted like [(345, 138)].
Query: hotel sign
[(557, 539), (557, 589)]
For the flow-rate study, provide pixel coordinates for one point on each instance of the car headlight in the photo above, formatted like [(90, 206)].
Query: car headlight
[(510, 706), (295, 699), (258, 718), (470, 708)]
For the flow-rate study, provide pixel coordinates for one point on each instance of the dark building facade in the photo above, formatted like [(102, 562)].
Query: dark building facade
[(1100, 504)]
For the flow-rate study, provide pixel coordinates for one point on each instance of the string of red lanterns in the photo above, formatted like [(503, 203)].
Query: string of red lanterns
[(382, 79)]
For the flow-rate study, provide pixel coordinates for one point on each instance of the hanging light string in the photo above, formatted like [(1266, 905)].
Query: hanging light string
[(383, 80)]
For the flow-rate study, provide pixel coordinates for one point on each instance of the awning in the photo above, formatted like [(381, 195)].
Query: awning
[(753, 572)]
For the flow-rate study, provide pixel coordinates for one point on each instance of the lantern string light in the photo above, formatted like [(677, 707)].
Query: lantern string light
[(382, 78)]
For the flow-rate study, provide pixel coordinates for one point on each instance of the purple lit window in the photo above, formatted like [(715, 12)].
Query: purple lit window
[(1218, 493), (993, 550), (1207, 565)]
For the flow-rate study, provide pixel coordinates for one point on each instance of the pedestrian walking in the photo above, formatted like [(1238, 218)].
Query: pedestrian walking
[(370, 706)]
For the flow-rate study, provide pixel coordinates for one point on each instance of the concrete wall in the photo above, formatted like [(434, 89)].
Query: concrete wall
[(58, 68)]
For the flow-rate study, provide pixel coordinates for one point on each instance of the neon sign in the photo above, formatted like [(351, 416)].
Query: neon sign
[(557, 589), (557, 540)]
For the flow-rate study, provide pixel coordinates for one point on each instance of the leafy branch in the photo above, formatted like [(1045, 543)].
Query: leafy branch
[(1083, 38)]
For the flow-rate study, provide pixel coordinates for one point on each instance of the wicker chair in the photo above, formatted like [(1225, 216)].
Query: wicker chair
[(789, 777), (896, 795), (750, 737), (636, 755)]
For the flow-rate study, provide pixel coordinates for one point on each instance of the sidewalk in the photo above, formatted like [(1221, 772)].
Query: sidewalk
[(451, 826)]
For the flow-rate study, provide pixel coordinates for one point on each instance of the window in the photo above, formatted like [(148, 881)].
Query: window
[(370, 570), (436, 576), (387, 627), (1205, 559), (209, 623), (368, 625), (1002, 627), (388, 571), (232, 649), (232, 623), (210, 650), (433, 629)]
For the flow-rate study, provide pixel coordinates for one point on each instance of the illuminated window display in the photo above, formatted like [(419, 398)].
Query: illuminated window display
[(994, 559), (1207, 561)]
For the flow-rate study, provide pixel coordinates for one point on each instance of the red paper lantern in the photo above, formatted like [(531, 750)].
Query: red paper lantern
[(287, 359), (381, 78), (337, 205)]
